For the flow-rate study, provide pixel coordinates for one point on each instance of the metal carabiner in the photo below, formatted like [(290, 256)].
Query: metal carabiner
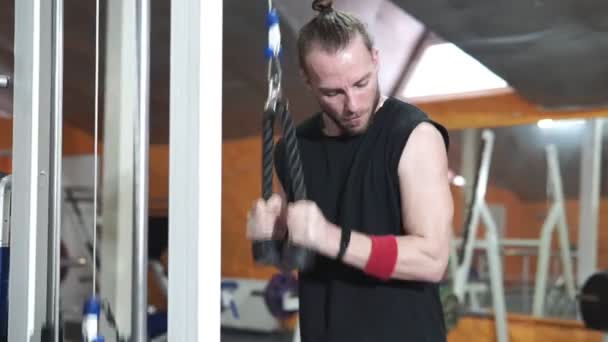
[(275, 93)]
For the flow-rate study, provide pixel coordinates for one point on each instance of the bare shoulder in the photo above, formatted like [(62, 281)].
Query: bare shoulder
[(426, 132), (424, 148)]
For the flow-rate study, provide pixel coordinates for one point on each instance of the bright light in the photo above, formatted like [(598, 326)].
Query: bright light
[(545, 123), (459, 180), (446, 69), (550, 123)]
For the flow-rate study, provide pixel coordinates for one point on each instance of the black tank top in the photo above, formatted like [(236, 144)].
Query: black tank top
[(354, 181)]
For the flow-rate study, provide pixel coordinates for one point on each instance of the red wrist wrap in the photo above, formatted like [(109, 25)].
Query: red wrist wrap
[(383, 257)]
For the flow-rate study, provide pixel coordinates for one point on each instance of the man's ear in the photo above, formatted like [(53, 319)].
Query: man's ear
[(376, 58)]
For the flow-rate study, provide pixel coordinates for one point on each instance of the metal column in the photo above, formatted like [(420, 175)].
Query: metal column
[(195, 170), (52, 325), (556, 219), (139, 308), (30, 196), (589, 201), (120, 104)]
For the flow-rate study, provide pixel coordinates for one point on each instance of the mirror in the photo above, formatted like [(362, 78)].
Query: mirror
[(526, 183)]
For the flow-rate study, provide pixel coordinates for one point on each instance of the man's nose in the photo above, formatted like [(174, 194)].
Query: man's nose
[(352, 102)]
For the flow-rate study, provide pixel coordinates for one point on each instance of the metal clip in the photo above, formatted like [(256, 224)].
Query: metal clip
[(4, 81), (275, 92)]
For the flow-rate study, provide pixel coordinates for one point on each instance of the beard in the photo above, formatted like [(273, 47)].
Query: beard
[(349, 131)]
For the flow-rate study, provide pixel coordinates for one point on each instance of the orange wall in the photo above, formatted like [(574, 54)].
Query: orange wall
[(159, 180), (535, 213), (75, 140), (241, 185), (6, 141), (6, 164), (525, 219), (6, 134), (79, 142)]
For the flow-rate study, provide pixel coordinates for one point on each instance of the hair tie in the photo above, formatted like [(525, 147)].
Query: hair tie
[(322, 5)]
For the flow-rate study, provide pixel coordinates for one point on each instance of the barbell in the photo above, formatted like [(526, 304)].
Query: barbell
[(593, 302)]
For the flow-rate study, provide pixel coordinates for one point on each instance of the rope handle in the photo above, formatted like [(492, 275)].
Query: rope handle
[(279, 253), (282, 253)]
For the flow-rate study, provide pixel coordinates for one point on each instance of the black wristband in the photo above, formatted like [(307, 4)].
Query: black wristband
[(344, 241)]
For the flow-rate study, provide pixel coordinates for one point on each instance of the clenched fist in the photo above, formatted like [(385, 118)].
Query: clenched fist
[(306, 224), (263, 220)]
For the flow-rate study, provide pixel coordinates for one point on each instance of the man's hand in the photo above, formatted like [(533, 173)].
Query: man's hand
[(262, 219), (306, 224)]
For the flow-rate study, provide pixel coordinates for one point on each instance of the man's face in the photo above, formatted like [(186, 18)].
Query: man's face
[(345, 84)]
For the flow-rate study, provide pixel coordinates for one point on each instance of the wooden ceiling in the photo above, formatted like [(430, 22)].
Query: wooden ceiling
[(244, 92)]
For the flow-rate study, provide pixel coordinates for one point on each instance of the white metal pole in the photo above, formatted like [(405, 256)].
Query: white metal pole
[(562, 224), (120, 107), (55, 184), (542, 268), (195, 170), (139, 309), (589, 201), (462, 272), (496, 279), (30, 196), (480, 193)]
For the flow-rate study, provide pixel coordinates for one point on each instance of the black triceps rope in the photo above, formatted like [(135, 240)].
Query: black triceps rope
[(282, 253)]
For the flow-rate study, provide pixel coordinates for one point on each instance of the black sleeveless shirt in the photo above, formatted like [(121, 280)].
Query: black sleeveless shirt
[(354, 181)]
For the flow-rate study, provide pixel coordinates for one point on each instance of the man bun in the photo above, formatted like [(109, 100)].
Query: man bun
[(322, 6)]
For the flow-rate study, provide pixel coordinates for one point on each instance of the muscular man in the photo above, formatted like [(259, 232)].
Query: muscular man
[(380, 209)]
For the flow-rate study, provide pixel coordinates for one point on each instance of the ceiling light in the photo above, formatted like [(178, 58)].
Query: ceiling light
[(550, 123), (445, 69)]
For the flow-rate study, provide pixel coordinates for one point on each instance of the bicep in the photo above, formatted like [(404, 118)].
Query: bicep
[(426, 200)]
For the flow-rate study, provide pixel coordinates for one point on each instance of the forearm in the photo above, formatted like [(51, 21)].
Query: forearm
[(418, 258)]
